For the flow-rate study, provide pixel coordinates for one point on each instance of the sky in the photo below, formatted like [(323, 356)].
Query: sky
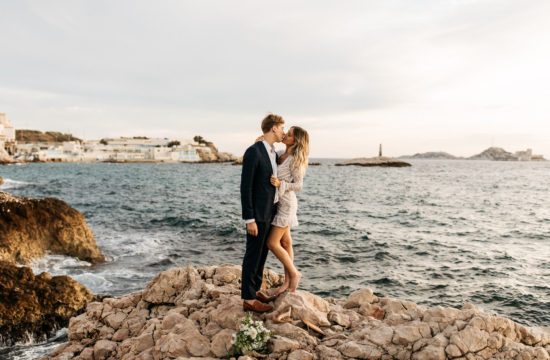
[(448, 75)]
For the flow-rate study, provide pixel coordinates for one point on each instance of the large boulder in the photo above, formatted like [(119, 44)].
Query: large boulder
[(31, 227), (32, 307)]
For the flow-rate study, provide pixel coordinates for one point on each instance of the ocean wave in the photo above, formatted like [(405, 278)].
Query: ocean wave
[(14, 184), (177, 221)]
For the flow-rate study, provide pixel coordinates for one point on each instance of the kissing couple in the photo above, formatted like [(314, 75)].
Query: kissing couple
[(268, 182)]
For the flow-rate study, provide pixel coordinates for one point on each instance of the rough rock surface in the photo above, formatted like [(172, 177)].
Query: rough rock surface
[(30, 227), (375, 161), (5, 158), (188, 313), (34, 306)]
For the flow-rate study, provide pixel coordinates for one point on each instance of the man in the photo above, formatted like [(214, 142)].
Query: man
[(258, 199)]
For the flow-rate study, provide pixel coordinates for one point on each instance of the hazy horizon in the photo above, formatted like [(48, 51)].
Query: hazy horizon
[(457, 76)]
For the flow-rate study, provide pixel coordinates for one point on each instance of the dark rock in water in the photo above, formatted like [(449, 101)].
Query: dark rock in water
[(314, 164), (33, 307), (375, 161), (30, 227), (1, 180)]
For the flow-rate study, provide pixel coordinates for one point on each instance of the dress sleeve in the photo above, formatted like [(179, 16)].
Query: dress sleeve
[(295, 185)]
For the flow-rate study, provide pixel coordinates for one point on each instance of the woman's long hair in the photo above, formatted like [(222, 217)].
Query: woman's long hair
[(300, 149)]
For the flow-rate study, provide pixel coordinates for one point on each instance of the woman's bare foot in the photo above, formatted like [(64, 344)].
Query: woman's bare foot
[(281, 289), (294, 280)]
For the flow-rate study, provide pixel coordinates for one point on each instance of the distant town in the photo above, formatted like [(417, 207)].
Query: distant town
[(33, 146)]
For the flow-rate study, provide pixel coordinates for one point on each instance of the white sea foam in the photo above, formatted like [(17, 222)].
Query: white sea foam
[(58, 264), (13, 184)]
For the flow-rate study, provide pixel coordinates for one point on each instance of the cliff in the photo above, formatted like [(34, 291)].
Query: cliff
[(192, 313), (39, 136), (30, 227), (34, 307)]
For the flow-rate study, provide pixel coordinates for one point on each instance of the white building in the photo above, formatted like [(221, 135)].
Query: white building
[(7, 132), (524, 155)]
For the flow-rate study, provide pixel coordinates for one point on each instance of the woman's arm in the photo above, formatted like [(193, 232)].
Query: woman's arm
[(285, 186)]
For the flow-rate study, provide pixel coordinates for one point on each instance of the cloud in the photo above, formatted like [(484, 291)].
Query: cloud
[(360, 70)]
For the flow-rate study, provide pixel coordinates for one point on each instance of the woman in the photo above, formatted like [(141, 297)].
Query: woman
[(291, 169)]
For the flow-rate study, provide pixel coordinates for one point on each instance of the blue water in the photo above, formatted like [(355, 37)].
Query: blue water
[(438, 233)]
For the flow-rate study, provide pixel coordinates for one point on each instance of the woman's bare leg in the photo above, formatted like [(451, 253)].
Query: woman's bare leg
[(274, 244), (286, 243)]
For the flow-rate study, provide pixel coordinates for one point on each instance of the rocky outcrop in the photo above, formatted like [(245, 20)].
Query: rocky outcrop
[(33, 307), (211, 156), (375, 161), (209, 153), (192, 313), (5, 158), (31, 227)]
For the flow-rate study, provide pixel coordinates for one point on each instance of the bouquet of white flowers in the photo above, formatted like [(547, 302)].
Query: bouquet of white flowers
[(252, 336)]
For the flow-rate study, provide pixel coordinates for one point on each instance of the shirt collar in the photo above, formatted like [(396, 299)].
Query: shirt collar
[(268, 147)]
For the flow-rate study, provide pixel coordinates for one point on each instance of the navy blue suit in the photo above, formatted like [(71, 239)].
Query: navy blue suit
[(257, 196)]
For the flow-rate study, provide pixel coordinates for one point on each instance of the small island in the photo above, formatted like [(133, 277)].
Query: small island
[(431, 155), (379, 160), (375, 161)]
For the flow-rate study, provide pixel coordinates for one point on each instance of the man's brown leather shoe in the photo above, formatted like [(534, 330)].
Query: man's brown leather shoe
[(264, 298), (257, 306)]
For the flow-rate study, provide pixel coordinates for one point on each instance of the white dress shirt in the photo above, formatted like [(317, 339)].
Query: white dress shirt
[(273, 158)]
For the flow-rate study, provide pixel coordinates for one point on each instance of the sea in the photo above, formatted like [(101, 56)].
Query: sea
[(442, 232)]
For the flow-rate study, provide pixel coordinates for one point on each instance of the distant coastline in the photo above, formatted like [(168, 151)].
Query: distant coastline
[(492, 154), (36, 146)]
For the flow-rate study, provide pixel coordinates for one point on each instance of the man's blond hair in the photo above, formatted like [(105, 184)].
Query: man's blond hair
[(271, 120)]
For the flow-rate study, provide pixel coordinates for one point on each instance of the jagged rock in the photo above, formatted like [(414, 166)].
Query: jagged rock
[(30, 227), (305, 306), (33, 307), (300, 355), (282, 344), (188, 313)]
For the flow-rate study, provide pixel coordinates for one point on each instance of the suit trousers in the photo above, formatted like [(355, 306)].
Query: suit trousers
[(254, 259)]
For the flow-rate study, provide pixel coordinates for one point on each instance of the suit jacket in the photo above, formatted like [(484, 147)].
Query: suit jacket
[(257, 193)]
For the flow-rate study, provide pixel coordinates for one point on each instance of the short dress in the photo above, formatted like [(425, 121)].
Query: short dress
[(291, 180)]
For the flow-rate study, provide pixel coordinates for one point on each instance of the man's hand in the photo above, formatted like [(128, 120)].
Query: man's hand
[(252, 229)]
